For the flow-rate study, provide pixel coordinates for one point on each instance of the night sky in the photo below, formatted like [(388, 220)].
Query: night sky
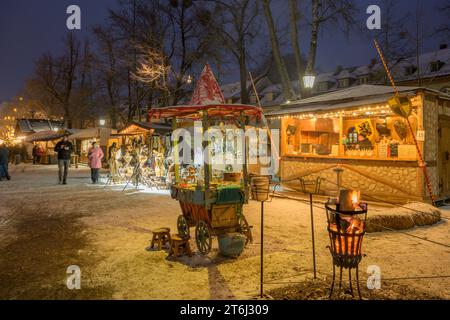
[(29, 28)]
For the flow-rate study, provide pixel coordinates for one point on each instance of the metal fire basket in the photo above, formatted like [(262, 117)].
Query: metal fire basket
[(346, 230)]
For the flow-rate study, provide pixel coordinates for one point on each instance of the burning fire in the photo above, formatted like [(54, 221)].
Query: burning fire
[(347, 242)]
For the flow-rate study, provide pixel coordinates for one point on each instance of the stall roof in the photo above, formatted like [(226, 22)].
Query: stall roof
[(136, 127), (46, 136), (348, 98), (30, 126), (206, 99)]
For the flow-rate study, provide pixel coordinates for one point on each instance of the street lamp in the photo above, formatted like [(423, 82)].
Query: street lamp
[(102, 122), (308, 80)]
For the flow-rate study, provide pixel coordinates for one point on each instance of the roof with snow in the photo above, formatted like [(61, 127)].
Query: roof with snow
[(30, 126), (432, 66), (348, 98)]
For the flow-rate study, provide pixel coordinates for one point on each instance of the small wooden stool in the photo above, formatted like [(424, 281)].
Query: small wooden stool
[(160, 236), (179, 246)]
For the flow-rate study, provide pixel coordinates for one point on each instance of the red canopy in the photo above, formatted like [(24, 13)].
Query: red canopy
[(207, 97)]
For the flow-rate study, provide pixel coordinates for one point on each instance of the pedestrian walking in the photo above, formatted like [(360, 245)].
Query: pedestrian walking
[(4, 159), (95, 156), (64, 148)]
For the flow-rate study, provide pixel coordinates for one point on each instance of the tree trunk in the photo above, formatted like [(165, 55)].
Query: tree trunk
[(285, 81), (243, 75), (314, 36), (295, 41)]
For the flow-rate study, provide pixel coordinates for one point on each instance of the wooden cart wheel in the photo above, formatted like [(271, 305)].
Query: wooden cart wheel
[(245, 229), (183, 227), (203, 237)]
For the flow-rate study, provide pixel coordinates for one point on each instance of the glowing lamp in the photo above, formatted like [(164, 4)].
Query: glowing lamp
[(308, 81), (102, 122)]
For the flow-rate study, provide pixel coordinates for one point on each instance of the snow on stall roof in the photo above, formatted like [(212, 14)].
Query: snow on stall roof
[(347, 98)]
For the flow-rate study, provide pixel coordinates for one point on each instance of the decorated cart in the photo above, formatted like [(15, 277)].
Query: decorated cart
[(211, 192)]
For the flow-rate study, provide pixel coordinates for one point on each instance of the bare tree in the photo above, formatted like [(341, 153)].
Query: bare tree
[(285, 81), (238, 28), (108, 69), (57, 75), (293, 20), (444, 29)]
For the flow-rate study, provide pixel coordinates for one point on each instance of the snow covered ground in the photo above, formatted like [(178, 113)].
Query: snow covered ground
[(45, 227)]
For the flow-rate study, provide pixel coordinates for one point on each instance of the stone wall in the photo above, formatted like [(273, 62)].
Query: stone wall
[(431, 144), (398, 179)]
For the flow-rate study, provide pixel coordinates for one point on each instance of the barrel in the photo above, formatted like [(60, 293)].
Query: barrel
[(260, 188)]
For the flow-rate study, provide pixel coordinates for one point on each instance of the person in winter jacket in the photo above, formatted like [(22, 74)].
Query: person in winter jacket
[(95, 156), (64, 148), (4, 155)]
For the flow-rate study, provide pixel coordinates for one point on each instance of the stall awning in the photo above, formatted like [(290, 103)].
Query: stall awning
[(207, 100)]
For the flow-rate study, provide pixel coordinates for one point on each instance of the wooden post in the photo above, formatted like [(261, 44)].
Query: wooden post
[(262, 251), (206, 157), (175, 153), (341, 134), (312, 234), (245, 169)]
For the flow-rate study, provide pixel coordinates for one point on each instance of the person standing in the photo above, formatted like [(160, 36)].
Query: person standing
[(4, 158), (95, 156), (35, 150), (40, 153), (64, 148)]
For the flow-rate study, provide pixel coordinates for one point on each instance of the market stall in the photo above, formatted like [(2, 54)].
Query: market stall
[(137, 153), (211, 170), (83, 139), (47, 141), (357, 130)]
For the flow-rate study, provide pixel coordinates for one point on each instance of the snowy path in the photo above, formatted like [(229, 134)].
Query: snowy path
[(45, 227)]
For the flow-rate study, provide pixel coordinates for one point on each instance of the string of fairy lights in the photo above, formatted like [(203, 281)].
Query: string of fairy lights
[(378, 110)]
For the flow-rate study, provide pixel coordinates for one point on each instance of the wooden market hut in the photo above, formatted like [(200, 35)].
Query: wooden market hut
[(83, 139), (355, 129), (48, 140), (151, 134)]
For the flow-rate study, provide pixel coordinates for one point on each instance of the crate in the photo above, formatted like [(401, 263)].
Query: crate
[(223, 216)]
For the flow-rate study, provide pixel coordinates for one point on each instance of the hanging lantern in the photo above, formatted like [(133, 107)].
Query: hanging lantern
[(309, 80)]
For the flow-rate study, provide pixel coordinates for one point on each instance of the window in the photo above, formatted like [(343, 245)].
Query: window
[(318, 137), (252, 99), (322, 86), (363, 79), (410, 70), (343, 83), (269, 96), (436, 66)]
